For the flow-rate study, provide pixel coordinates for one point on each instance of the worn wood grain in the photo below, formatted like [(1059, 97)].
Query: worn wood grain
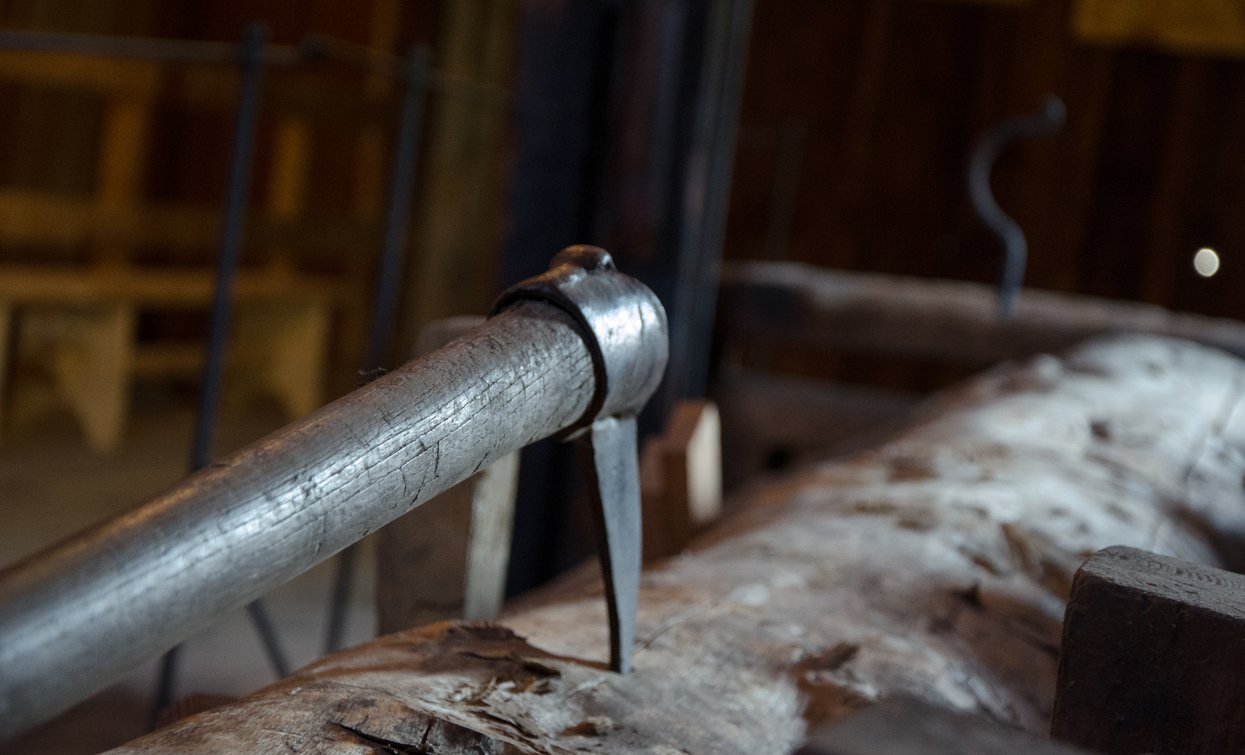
[(1152, 652), (448, 558), (936, 566)]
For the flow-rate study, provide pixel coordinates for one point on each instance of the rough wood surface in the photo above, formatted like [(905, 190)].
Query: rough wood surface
[(1152, 655), (936, 566), (907, 726), (448, 558)]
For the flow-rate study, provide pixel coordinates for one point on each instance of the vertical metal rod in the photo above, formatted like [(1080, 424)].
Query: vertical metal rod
[(232, 227), (385, 309), (1015, 246), (720, 91), (398, 209)]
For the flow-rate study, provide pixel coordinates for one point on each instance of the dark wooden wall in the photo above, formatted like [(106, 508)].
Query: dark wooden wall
[(890, 95)]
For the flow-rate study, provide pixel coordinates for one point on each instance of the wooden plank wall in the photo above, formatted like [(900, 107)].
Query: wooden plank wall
[(890, 95)]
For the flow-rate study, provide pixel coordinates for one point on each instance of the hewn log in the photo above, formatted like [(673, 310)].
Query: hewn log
[(936, 566)]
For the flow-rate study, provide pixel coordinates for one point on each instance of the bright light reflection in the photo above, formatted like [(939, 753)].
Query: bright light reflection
[(1206, 262)]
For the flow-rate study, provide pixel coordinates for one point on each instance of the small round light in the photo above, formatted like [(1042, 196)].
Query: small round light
[(1206, 262)]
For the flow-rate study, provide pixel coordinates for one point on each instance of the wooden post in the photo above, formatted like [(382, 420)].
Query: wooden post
[(93, 374), (914, 727), (681, 477), (1151, 658), (122, 155), (282, 348)]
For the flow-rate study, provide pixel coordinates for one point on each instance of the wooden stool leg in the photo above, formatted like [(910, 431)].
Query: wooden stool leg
[(280, 349), (681, 478), (93, 373), (448, 559), (1151, 657)]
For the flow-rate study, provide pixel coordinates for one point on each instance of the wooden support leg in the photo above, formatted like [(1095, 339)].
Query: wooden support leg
[(681, 478), (92, 369), (913, 727), (280, 349), (1151, 657), (448, 558)]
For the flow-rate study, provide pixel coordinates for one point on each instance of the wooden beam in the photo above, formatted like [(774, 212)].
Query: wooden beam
[(459, 218), (936, 565), (91, 370), (113, 77), (169, 287), (949, 321), (38, 217), (1189, 27), (1152, 652)]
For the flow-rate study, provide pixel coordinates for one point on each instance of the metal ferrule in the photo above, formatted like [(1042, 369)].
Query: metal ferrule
[(623, 324)]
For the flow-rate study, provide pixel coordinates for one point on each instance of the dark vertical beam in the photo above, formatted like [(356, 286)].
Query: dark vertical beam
[(625, 135), (565, 59), (708, 165)]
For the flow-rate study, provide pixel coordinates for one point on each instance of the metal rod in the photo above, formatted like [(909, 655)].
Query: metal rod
[(398, 210), (392, 260), (233, 225), (1015, 247), (232, 228), (147, 48), (78, 616)]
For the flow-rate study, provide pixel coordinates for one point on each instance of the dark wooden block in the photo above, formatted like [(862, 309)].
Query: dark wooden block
[(907, 726), (1152, 657)]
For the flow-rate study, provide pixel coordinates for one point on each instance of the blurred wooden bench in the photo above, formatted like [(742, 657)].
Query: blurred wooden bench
[(82, 323), (74, 312)]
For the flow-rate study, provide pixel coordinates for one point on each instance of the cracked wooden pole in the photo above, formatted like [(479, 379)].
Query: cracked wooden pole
[(448, 558), (935, 566), (80, 614), (1151, 659)]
